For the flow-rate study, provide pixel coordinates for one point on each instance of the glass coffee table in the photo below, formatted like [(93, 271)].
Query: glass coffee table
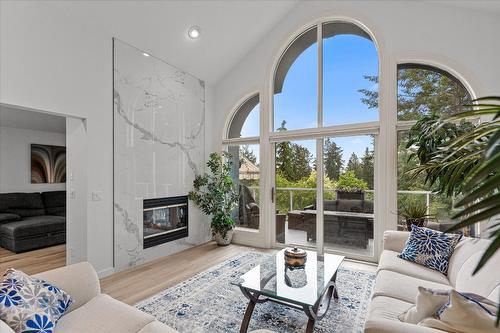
[(309, 289)]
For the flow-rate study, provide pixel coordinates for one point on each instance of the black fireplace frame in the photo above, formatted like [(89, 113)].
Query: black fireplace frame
[(174, 234)]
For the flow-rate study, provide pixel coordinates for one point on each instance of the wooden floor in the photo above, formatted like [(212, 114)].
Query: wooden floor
[(33, 262), (140, 282), (135, 284)]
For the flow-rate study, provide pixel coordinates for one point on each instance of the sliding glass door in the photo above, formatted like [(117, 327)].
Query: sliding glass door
[(294, 192), (338, 173), (348, 194)]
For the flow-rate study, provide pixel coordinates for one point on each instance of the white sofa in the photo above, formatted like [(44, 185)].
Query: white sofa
[(92, 311), (397, 282)]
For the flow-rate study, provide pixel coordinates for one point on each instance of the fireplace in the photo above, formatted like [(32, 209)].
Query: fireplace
[(164, 220)]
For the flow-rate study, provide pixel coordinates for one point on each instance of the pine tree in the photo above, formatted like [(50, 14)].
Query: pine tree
[(333, 159), (421, 91), (284, 155), (367, 168), (293, 161), (354, 165)]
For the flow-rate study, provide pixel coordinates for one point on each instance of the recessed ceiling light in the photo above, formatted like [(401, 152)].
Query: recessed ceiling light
[(194, 32), (145, 54)]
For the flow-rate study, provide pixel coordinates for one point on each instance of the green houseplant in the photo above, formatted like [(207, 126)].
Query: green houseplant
[(215, 193), (414, 212), (469, 164)]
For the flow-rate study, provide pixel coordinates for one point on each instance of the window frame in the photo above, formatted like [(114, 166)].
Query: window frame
[(242, 235)]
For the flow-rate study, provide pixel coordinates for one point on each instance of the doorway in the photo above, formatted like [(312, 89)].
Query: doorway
[(42, 189)]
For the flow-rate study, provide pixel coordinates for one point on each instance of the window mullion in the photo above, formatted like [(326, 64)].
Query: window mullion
[(319, 148)]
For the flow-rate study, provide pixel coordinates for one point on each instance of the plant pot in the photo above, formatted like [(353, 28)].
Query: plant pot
[(420, 222), (224, 241), (352, 195)]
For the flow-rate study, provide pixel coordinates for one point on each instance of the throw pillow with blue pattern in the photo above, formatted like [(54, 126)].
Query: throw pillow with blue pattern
[(430, 248), (30, 305)]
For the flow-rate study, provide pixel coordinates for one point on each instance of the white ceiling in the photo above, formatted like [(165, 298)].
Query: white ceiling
[(18, 118), (229, 29)]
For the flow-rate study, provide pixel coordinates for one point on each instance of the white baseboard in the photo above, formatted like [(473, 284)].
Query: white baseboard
[(105, 272)]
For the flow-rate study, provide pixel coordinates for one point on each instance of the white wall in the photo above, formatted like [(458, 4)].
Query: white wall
[(76, 198), (15, 158)]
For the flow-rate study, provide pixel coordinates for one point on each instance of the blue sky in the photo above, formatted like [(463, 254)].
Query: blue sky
[(346, 58)]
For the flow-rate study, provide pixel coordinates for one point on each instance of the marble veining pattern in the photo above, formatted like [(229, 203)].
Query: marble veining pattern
[(159, 147)]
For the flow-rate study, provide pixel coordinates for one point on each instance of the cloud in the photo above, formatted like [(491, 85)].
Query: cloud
[(357, 141)]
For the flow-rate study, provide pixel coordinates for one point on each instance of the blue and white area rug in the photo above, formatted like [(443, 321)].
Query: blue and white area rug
[(208, 302)]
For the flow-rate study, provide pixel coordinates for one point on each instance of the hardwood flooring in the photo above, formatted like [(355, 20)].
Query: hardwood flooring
[(33, 262), (137, 283)]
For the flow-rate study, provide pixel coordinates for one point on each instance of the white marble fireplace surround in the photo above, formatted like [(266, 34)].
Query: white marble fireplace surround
[(159, 147)]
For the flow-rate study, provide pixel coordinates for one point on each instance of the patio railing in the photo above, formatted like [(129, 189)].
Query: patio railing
[(292, 194)]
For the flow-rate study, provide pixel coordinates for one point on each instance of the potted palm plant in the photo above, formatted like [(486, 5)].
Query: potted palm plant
[(414, 213), (215, 193)]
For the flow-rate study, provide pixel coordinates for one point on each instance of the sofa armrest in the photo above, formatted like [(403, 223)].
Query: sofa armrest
[(7, 217), (80, 281), (395, 240), (4, 328)]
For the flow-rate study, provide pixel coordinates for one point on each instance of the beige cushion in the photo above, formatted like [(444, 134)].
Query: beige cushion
[(465, 249), (464, 316), (389, 261), (427, 303), (80, 281), (383, 317), (157, 327), (485, 282), (4, 328), (104, 314), (402, 287), (395, 240)]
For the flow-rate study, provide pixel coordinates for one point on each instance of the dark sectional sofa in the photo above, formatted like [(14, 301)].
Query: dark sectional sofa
[(30, 221)]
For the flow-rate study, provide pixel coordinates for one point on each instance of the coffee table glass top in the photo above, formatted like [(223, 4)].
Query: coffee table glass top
[(301, 286)]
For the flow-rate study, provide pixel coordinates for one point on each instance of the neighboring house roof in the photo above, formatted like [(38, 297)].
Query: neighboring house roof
[(248, 170)]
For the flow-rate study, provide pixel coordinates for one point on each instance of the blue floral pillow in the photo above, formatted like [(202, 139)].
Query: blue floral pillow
[(30, 305), (430, 248)]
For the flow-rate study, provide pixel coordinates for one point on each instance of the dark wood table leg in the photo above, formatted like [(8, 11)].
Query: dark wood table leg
[(334, 284), (254, 298), (247, 317), (310, 325)]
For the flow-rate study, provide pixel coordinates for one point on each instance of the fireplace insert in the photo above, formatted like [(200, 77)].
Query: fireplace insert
[(164, 220)]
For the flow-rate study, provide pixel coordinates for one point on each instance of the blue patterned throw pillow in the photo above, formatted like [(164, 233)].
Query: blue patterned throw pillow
[(430, 248), (30, 305)]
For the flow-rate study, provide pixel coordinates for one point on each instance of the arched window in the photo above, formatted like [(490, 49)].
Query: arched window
[(423, 90), (245, 121), (245, 158), (346, 69)]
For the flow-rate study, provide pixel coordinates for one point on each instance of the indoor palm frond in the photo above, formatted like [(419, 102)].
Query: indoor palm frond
[(482, 187), (468, 163)]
